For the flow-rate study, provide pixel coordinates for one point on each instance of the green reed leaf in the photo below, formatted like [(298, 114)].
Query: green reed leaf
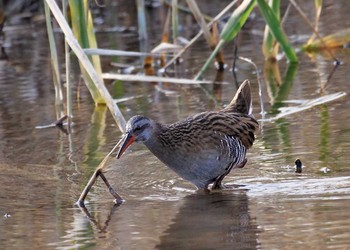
[(237, 20), (277, 31)]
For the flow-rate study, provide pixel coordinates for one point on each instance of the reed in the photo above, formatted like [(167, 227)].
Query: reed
[(82, 26), (230, 30), (68, 71), (54, 58), (212, 42), (276, 30), (194, 39), (141, 19), (83, 29), (175, 19), (314, 29), (88, 67), (270, 45), (318, 10)]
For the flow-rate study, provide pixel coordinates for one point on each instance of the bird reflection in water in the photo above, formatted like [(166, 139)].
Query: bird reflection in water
[(220, 220), (216, 220)]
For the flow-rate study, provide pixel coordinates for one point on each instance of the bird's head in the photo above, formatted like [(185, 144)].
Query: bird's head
[(139, 129)]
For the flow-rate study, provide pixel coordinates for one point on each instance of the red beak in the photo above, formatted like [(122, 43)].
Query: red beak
[(127, 141)]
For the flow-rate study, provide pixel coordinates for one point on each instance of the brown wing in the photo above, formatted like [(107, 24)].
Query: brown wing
[(237, 125), (204, 125)]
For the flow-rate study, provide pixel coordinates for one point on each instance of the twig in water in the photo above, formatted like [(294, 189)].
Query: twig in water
[(301, 12), (58, 124), (330, 76), (96, 223), (235, 51), (99, 172), (228, 7), (259, 84), (305, 105)]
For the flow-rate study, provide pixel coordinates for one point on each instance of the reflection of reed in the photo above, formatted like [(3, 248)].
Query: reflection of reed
[(220, 220), (96, 138), (102, 228), (324, 136), (278, 88)]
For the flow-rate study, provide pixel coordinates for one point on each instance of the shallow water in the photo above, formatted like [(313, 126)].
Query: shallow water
[(266, 204)]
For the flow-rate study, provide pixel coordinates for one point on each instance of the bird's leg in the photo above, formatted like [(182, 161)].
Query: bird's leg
[(242, 164), (217, 183), (97, 173)]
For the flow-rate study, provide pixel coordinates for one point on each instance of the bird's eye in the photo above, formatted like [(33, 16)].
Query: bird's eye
[(137, 129), (140, 129)]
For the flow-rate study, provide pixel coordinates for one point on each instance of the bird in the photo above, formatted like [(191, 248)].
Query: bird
[(204, 147)]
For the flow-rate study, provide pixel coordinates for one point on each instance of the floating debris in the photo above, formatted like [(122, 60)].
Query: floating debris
[(305, 105), (58, 124), (7, 215), (298, 166), (325, 170)]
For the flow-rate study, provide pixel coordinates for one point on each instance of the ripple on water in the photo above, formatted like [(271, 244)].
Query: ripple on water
[(301, 187)]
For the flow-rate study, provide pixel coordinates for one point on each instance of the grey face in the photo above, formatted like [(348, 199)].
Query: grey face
[(140, 127)]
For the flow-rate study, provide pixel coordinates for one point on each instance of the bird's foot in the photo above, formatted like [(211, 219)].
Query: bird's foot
[(218, 186), (203, 191)]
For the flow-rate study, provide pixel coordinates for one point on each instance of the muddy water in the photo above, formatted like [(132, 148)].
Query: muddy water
[(267, 205)]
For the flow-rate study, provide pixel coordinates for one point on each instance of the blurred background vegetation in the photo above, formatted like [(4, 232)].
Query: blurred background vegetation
[(75, 20)]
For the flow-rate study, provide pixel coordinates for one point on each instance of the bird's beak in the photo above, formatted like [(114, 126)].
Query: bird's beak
[(127, 140)]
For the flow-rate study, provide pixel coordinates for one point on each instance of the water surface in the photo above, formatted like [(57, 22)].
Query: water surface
[(266, 204)]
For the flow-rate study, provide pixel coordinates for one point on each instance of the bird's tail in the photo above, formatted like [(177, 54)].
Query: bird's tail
[(242, 102)]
